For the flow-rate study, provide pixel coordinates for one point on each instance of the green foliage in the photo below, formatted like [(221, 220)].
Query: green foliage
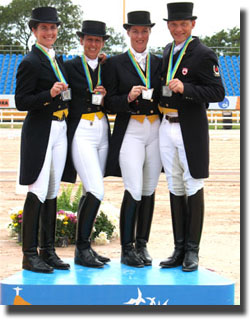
[(64, 201), (66, 220), (224, 42), (157, 50), (77, 198), (115, 44), (103, 224), (14, 29)]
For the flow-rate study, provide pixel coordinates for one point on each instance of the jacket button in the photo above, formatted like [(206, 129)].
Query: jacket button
[(166, 104), (138, 112), (151, 111), (152, 100), (59, 106), (89, 109)]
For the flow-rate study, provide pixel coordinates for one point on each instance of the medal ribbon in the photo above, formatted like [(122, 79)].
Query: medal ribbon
[(54, 65), (88, 76), (172, 70), (145, 80)]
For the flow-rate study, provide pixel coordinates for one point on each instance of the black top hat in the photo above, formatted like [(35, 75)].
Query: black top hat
[(44, 15), (180, 11), (138, 18), (93, 28)]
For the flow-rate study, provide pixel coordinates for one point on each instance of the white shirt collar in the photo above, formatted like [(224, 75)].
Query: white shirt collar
[(179, 47), (93, 63), (139, 54), (50, 51), (140, 57)]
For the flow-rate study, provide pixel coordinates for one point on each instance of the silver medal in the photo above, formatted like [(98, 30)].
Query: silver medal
[(166, 92), (97, 99), (66, 95), (147, 94)]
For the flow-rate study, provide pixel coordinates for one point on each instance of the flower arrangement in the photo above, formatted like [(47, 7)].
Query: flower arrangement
[(106, 225), (105, 228), (16, 216), (65, 228)]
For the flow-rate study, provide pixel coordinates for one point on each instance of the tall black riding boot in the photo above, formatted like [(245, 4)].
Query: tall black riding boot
[(80, 204), (128, 217), (178, 205), (98, 256), (47, 235), (194, 230), (84, 254), (30, 227), (144, 220)]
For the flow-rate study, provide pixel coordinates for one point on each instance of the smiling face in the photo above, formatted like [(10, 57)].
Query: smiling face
[(139, 36), (181, 30), (46, 34), (92, 45)]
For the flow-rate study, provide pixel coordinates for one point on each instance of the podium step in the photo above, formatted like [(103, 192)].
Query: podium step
[(117, 284)]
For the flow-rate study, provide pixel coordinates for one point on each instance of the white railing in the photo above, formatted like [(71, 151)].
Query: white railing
[(215, 118), (224, 118), (11, 117)]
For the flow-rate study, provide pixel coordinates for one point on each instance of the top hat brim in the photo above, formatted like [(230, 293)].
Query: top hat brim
[(33, 22), (128, 25), (183, 18), (81, 35)]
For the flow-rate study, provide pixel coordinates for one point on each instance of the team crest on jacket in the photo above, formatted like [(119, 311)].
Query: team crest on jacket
[(184, 71), (216, 71)]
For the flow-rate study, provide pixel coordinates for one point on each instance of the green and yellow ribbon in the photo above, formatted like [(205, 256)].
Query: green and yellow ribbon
[(54, 65), (145, 79), (172, 70), (88, 76)]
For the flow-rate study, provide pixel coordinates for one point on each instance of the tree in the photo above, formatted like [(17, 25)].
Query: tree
[(14, 18), (115, 44), (156, 50), (224, 42)]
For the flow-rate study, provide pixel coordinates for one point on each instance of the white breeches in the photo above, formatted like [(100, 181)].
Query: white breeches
[(174, 160), (48, 182), (140, 158), (89, 153)]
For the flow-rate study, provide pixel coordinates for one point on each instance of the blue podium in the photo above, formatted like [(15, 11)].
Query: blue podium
[(117, 284)]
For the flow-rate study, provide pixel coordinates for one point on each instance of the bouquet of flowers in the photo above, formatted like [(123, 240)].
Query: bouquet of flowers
[(106, 224), (65, 228), (16, 216)]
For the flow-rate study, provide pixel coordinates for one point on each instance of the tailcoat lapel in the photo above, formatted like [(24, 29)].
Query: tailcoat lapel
[(130, 67)]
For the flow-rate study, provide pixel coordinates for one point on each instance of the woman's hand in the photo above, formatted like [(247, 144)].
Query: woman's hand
[(57, 88), (135, 92), (102, 57), (101, 90)]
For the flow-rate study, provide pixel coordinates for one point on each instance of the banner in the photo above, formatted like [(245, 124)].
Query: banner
[(229, 103), (7, 101)]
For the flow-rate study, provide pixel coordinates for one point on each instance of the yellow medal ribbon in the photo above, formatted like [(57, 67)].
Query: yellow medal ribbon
[(172, 70)]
